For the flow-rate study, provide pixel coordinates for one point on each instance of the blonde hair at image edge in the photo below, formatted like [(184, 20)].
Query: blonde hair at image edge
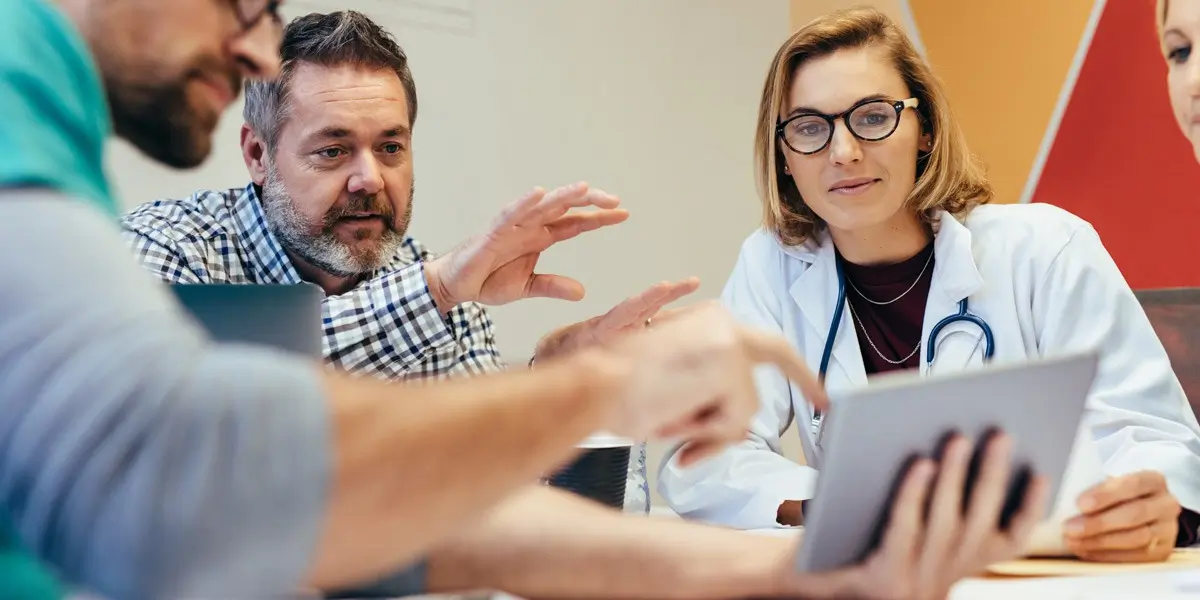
[(949, 178)]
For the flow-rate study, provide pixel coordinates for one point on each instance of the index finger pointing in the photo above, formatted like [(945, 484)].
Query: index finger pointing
[(767, 348)]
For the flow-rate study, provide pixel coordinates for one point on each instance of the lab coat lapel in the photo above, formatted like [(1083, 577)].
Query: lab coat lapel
[(955, 276), (816, 293)]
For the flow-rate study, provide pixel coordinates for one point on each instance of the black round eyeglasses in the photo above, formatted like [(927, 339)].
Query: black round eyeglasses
[(251, 12), (869, 120)]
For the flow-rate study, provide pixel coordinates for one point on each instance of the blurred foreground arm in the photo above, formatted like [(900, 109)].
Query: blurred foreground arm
[(142, 460), (542, 543)]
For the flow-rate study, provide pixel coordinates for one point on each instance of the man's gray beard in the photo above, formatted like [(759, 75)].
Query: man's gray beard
[(322, 250)]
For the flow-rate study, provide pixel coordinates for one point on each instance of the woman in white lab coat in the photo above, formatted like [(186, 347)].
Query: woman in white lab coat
[(862, 169)]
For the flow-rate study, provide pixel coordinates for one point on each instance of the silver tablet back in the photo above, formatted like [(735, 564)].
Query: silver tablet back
[(876, 430)]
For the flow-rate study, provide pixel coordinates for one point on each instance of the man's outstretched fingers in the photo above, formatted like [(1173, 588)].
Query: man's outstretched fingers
[(768, 348), (631, 310), (517, 211), (569, 226), (559, 201), (554, 286), (663, 294)]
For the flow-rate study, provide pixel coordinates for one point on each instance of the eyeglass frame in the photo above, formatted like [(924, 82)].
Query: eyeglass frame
[(270, 8), (844, 116)]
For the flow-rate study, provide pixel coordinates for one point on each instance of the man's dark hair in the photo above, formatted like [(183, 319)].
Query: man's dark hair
[(329, 40)]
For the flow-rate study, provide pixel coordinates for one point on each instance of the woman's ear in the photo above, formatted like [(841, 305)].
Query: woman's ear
[(925, 145)]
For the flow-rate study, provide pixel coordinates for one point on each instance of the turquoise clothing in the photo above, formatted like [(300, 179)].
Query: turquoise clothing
[(54, 116), (155, 464), (23, 577), (53, 123)]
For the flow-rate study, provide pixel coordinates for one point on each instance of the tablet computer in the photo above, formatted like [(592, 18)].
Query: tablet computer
[(874, 432), (283, 316)]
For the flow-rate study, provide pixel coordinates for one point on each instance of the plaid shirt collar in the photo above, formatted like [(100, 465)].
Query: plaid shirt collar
[(269, 262)]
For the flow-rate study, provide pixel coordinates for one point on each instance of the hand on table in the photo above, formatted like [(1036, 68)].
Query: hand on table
[(632, 314), (790, 513), (497, 267), (1132, 518), (691, 378), (924, 551)]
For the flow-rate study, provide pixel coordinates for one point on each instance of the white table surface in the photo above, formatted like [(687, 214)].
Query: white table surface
[(1173, 585), (1154, 585)]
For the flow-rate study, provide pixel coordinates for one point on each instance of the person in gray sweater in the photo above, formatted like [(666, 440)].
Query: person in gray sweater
[(139, 459)]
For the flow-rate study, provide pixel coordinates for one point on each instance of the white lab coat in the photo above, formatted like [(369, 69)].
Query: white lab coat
[(1036, 273)]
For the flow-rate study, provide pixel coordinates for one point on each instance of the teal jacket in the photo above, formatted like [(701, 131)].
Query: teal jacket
[(54, 116), (54, 120)]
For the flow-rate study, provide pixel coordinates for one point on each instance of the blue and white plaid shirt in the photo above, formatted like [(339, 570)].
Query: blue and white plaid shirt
[(387, 326)]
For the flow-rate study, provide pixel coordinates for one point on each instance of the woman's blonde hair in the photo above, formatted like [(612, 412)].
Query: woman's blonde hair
[(948, 178), (1160, 15)]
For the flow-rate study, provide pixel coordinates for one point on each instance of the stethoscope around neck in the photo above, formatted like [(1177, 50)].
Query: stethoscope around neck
[(963, 315)]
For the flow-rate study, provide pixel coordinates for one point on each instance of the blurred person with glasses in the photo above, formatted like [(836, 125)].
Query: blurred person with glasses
[(140, 459), (881, 251), (252, 12)]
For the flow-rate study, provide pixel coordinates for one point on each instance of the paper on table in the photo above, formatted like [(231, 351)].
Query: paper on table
[(1060, 567), (1084, 470)]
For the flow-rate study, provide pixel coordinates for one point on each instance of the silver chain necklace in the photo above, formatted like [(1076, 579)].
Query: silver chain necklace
[(872, 343), (859, 322), (928, 261)]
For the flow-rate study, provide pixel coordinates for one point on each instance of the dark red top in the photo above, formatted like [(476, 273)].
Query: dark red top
[(894, 328)]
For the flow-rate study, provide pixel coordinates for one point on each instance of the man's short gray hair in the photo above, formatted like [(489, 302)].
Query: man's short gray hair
[(329, 40)]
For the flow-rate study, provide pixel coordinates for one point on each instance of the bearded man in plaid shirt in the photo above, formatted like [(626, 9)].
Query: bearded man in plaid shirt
[(327, 146), (328, 149)]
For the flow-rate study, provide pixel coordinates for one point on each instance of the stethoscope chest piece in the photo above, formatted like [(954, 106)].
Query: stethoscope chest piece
[(964, 315)]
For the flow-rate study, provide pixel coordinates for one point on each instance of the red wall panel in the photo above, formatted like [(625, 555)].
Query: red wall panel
[(1120, 162)]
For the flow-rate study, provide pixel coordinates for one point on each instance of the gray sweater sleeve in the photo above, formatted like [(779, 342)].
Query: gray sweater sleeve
[(138, 458)]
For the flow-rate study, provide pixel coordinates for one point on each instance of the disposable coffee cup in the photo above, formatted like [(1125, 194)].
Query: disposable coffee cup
[(600, 471)]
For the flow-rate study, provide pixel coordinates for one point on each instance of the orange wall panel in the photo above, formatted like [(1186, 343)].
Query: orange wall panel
[(1004, 63)]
